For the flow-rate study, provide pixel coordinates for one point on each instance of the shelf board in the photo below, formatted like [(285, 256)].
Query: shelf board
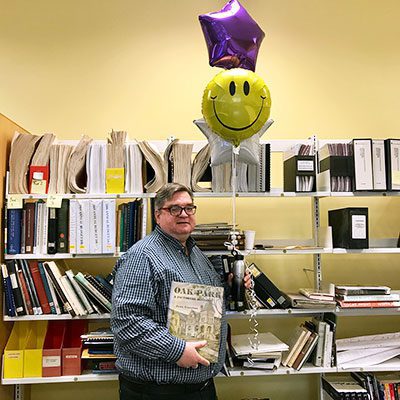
[(390, 365), (271, 251), (233, 315), (51, 317), (85, 377), (58, 256), (266, 313), (274, 192)]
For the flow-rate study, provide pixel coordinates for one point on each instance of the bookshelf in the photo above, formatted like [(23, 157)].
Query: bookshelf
[(285, 247)]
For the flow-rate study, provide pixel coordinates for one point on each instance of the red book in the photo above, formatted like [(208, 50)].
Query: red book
[(37, 280), (25, 293), (368, 304), (38, 179), (29, 221)]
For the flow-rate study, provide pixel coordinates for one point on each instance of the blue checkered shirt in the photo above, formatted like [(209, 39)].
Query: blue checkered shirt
[(144, 347)]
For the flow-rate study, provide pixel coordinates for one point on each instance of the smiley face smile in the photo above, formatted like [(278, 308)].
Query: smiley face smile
[(231, 127)]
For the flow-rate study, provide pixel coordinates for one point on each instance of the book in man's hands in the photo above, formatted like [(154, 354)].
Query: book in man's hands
[(195, 313)]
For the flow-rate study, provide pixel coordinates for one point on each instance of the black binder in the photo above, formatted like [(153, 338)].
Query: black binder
[(297, 170), (349, 227)]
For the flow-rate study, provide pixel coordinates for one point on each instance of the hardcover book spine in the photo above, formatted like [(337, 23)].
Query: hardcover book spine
[(108, 242), (29, 222), (47, 289), (17, 294), (37, 280), (14, 231), (10, 305), (52, 232), (62, 227)]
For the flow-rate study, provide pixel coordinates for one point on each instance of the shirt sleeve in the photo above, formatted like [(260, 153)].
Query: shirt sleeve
[(133, 308)]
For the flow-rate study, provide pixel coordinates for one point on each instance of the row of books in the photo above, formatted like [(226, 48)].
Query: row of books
[(361, 386), (35, 287), (363, 164), (38, 164), (78, 227), (313, 341)]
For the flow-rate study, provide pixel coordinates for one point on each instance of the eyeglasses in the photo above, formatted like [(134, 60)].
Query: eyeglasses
[(176, 211)]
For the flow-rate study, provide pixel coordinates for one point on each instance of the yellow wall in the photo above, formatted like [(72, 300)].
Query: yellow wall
[(73, 67), (7, 129)]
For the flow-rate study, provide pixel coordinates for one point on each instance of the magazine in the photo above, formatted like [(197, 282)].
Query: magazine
[(195, 313)]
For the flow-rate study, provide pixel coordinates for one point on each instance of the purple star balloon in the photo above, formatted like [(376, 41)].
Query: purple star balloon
[(232, 36)]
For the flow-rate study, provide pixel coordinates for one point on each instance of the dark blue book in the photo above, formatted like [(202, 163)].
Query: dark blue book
[(47, 288), (16, 290), (8, 293), (14, 231)]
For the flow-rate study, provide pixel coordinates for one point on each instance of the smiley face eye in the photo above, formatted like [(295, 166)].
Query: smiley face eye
[(232, 88), (246, 88)]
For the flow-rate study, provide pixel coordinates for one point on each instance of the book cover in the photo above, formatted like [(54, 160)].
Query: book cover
[(195, 313)]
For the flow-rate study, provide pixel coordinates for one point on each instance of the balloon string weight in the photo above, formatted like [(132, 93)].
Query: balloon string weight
[(251, 296)]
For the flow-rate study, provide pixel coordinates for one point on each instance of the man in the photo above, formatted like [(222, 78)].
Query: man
[(154, 364)]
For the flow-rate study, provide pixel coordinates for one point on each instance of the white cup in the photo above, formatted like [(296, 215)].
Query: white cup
[(249, 237)]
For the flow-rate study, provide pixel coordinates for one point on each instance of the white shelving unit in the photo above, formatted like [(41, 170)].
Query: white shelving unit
[(282, 247)]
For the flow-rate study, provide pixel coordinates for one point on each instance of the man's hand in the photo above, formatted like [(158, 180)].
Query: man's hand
[(246, 279), (190, 357)]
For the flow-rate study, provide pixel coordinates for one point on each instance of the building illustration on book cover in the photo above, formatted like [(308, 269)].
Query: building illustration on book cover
[(195, 313)]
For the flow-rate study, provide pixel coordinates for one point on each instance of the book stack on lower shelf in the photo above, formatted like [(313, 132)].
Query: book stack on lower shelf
[(98, 351)]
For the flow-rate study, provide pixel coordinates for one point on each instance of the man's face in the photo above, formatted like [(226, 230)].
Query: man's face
[(179, 227)]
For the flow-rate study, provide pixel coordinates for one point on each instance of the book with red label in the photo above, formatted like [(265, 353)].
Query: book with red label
[(40, 290), (368, 304), (38, 179)]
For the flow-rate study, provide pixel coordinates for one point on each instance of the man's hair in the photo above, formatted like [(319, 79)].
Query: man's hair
[(167, 192)]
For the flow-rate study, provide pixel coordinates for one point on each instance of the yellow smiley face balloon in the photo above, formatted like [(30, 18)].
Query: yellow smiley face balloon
[(236, 104)]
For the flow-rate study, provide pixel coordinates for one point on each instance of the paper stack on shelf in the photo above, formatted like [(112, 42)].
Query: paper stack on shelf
[(368, 350), (77, 180), (133, 170), (267, 354), (59, 156), (200, 163), (39, 168), (22, 148)]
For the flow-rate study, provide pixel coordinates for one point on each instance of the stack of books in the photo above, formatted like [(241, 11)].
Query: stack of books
[(98, 351), (311, 298), (314, 342), (366, 296), (263, 352), (213, 236)]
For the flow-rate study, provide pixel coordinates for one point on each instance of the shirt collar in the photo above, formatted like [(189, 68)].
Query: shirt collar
[(190, 242)]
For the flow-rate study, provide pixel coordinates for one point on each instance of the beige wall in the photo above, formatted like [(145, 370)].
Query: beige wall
[(73, 67)]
